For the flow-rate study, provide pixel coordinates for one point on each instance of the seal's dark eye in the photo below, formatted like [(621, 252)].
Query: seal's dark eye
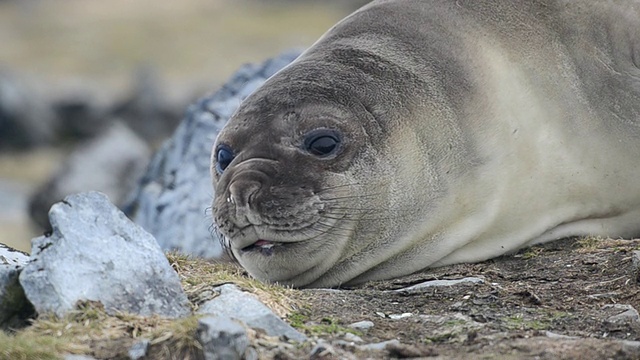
[(322, 142), (224, 156)]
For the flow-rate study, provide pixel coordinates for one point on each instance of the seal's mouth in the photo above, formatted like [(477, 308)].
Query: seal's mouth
[(263, 246)]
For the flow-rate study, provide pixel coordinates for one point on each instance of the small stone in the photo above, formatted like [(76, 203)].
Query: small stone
[(627, 314), (78, 357), (635, 265), (139, 349), (353, 338), (400, 316), (631, 346), (432, 283), (222, 338), (240, 305), (378, 346), (552, 335), (362, 325)]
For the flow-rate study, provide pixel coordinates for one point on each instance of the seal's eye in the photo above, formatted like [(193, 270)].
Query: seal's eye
[(322, 142), (224, 156)]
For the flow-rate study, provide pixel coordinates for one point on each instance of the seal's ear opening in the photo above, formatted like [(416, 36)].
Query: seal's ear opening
[(322, 142)]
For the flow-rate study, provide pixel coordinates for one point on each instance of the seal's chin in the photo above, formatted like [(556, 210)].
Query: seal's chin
[(279, 261)]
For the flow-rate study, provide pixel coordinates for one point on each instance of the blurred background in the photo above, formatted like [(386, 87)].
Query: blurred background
[(69, 68)]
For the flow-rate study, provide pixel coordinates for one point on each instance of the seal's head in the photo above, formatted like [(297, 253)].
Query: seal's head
[(322, 177), (292, 171)]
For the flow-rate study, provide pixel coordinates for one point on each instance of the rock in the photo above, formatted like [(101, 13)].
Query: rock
[(552, 335), (147, 110), (95, 253), (79, 116), (635, 265), (632, 347), (26, 121), (222, 338), (625, 315), (361, 325), (14, 306), (139, 350), (378, 346), (171, 199), (432, 283), (239, 305), (111, 163), (400, 316), (353, 338), (78, 357)]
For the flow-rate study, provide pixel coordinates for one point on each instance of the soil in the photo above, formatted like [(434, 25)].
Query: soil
[(557, 301)]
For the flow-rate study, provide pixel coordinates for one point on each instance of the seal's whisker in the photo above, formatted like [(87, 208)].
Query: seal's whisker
[(355, 210), (331, 226), (342, 186), (351, 197)]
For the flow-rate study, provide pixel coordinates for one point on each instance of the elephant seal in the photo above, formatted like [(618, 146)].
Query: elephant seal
[(420, 133)]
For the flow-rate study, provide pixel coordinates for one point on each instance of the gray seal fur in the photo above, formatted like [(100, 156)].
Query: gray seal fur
[(457, 130)]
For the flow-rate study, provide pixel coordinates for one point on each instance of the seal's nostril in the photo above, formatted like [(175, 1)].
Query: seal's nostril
[(243, 193)]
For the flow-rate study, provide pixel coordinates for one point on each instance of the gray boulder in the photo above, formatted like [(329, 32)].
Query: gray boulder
[(172, 199), (13, 304), (95, 253)]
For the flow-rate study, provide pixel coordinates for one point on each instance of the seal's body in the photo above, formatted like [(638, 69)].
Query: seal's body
[(420, 133)]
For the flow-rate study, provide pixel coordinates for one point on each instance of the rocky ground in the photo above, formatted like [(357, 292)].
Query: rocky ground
[(572, 299)]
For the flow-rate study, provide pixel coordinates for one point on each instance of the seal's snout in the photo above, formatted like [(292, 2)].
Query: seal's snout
[(242, 196)]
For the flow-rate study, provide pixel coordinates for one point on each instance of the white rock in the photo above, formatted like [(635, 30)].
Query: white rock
[(95, 253)]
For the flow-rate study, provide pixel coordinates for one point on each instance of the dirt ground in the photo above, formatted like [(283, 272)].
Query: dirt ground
[(548, 302)]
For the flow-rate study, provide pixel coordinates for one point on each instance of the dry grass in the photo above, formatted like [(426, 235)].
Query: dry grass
[(198, 275)]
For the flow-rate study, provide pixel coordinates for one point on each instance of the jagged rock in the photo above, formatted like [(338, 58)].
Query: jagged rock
[(111, 163), (239, 305), (223, 339), (95, 253), (172, 197), (13, 303)]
